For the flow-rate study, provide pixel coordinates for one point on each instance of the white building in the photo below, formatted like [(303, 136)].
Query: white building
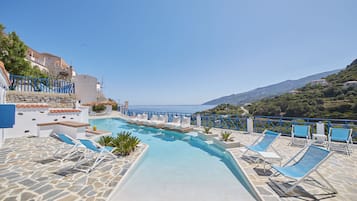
[(320, 82), (4, 83), (54, 65), (352, 83), (87, 89)]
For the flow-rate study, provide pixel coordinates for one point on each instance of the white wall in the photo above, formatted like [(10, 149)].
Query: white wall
[(84, 114), (86, 88), (3, 86), (40, 66), (26, 120)]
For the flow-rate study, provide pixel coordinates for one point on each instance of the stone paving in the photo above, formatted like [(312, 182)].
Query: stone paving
[(339, 170), (28, 171)]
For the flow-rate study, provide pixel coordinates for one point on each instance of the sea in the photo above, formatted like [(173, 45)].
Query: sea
[(190, 109)]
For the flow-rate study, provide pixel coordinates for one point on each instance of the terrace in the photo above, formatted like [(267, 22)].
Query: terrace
[(28, 171), (338, 170)]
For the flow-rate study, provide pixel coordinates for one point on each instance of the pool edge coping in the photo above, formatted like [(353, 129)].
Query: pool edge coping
[(129, 171), (259, 196)]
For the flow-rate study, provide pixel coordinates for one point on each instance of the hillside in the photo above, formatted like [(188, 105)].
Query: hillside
[(268, 91), (335, 100)]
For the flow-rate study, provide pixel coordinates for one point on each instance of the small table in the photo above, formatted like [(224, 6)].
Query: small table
[(319, 139), (270, 157)]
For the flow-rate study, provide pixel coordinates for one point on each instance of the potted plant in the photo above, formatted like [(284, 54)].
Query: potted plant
[(226, 136), (207, 133), (207, 130), (227, 140)]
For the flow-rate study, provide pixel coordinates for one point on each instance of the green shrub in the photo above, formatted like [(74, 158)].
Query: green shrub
[(207, 130), (124, 143), (98, 108), (115, 107), (226, 136), (105, 140), (113, 103)]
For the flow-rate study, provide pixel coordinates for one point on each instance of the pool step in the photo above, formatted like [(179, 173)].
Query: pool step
[(193, 134), (209, 141), (186, 138)]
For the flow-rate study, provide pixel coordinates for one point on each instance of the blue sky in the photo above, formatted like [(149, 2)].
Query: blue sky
[(188, 51)]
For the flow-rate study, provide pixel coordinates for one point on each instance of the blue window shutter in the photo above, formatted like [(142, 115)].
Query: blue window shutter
[(7, 115)]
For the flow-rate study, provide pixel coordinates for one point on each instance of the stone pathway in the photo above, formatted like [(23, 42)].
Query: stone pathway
[(28, 171), (339, 170)]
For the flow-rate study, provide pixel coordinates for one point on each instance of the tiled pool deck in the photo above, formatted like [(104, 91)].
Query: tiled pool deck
[(339, 170), (28, 172)]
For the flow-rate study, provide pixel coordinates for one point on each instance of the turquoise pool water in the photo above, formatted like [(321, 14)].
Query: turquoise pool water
[(178, 167)]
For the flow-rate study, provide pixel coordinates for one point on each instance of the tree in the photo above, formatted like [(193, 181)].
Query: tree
[(13, 53)]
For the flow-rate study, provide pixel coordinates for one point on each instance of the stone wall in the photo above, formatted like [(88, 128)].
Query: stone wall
[(53, 100)]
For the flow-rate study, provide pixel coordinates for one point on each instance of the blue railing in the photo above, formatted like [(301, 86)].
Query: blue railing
[(46, 85), (224, 121), (278, 124), (216, 121), (170, 115), (283, 124)]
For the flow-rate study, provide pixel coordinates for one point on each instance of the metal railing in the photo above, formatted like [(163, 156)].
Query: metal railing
[(279, 124), (283, 124), (46, 85), (225, 122), (170, 115)]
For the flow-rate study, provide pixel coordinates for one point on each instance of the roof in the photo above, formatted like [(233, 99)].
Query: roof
[(64, 111), (45, 106), (50, 55), (32, 105)]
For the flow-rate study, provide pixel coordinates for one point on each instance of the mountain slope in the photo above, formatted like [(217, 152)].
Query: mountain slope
[(268, 91), (337, 100)]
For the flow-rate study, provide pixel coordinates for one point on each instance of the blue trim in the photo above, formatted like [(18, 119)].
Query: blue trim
[(46, 85)]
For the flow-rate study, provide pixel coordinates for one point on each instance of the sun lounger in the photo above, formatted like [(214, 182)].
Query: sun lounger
[(300, 131), (163, 118), (262, 144), (63, 152), (143, 119), (94, 151), (340, 136), (154, 117), (186, 122), (157, 121), (175, 124), (300, 170)]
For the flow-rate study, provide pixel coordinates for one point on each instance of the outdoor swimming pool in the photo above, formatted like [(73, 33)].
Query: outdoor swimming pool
[(178, 167)]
